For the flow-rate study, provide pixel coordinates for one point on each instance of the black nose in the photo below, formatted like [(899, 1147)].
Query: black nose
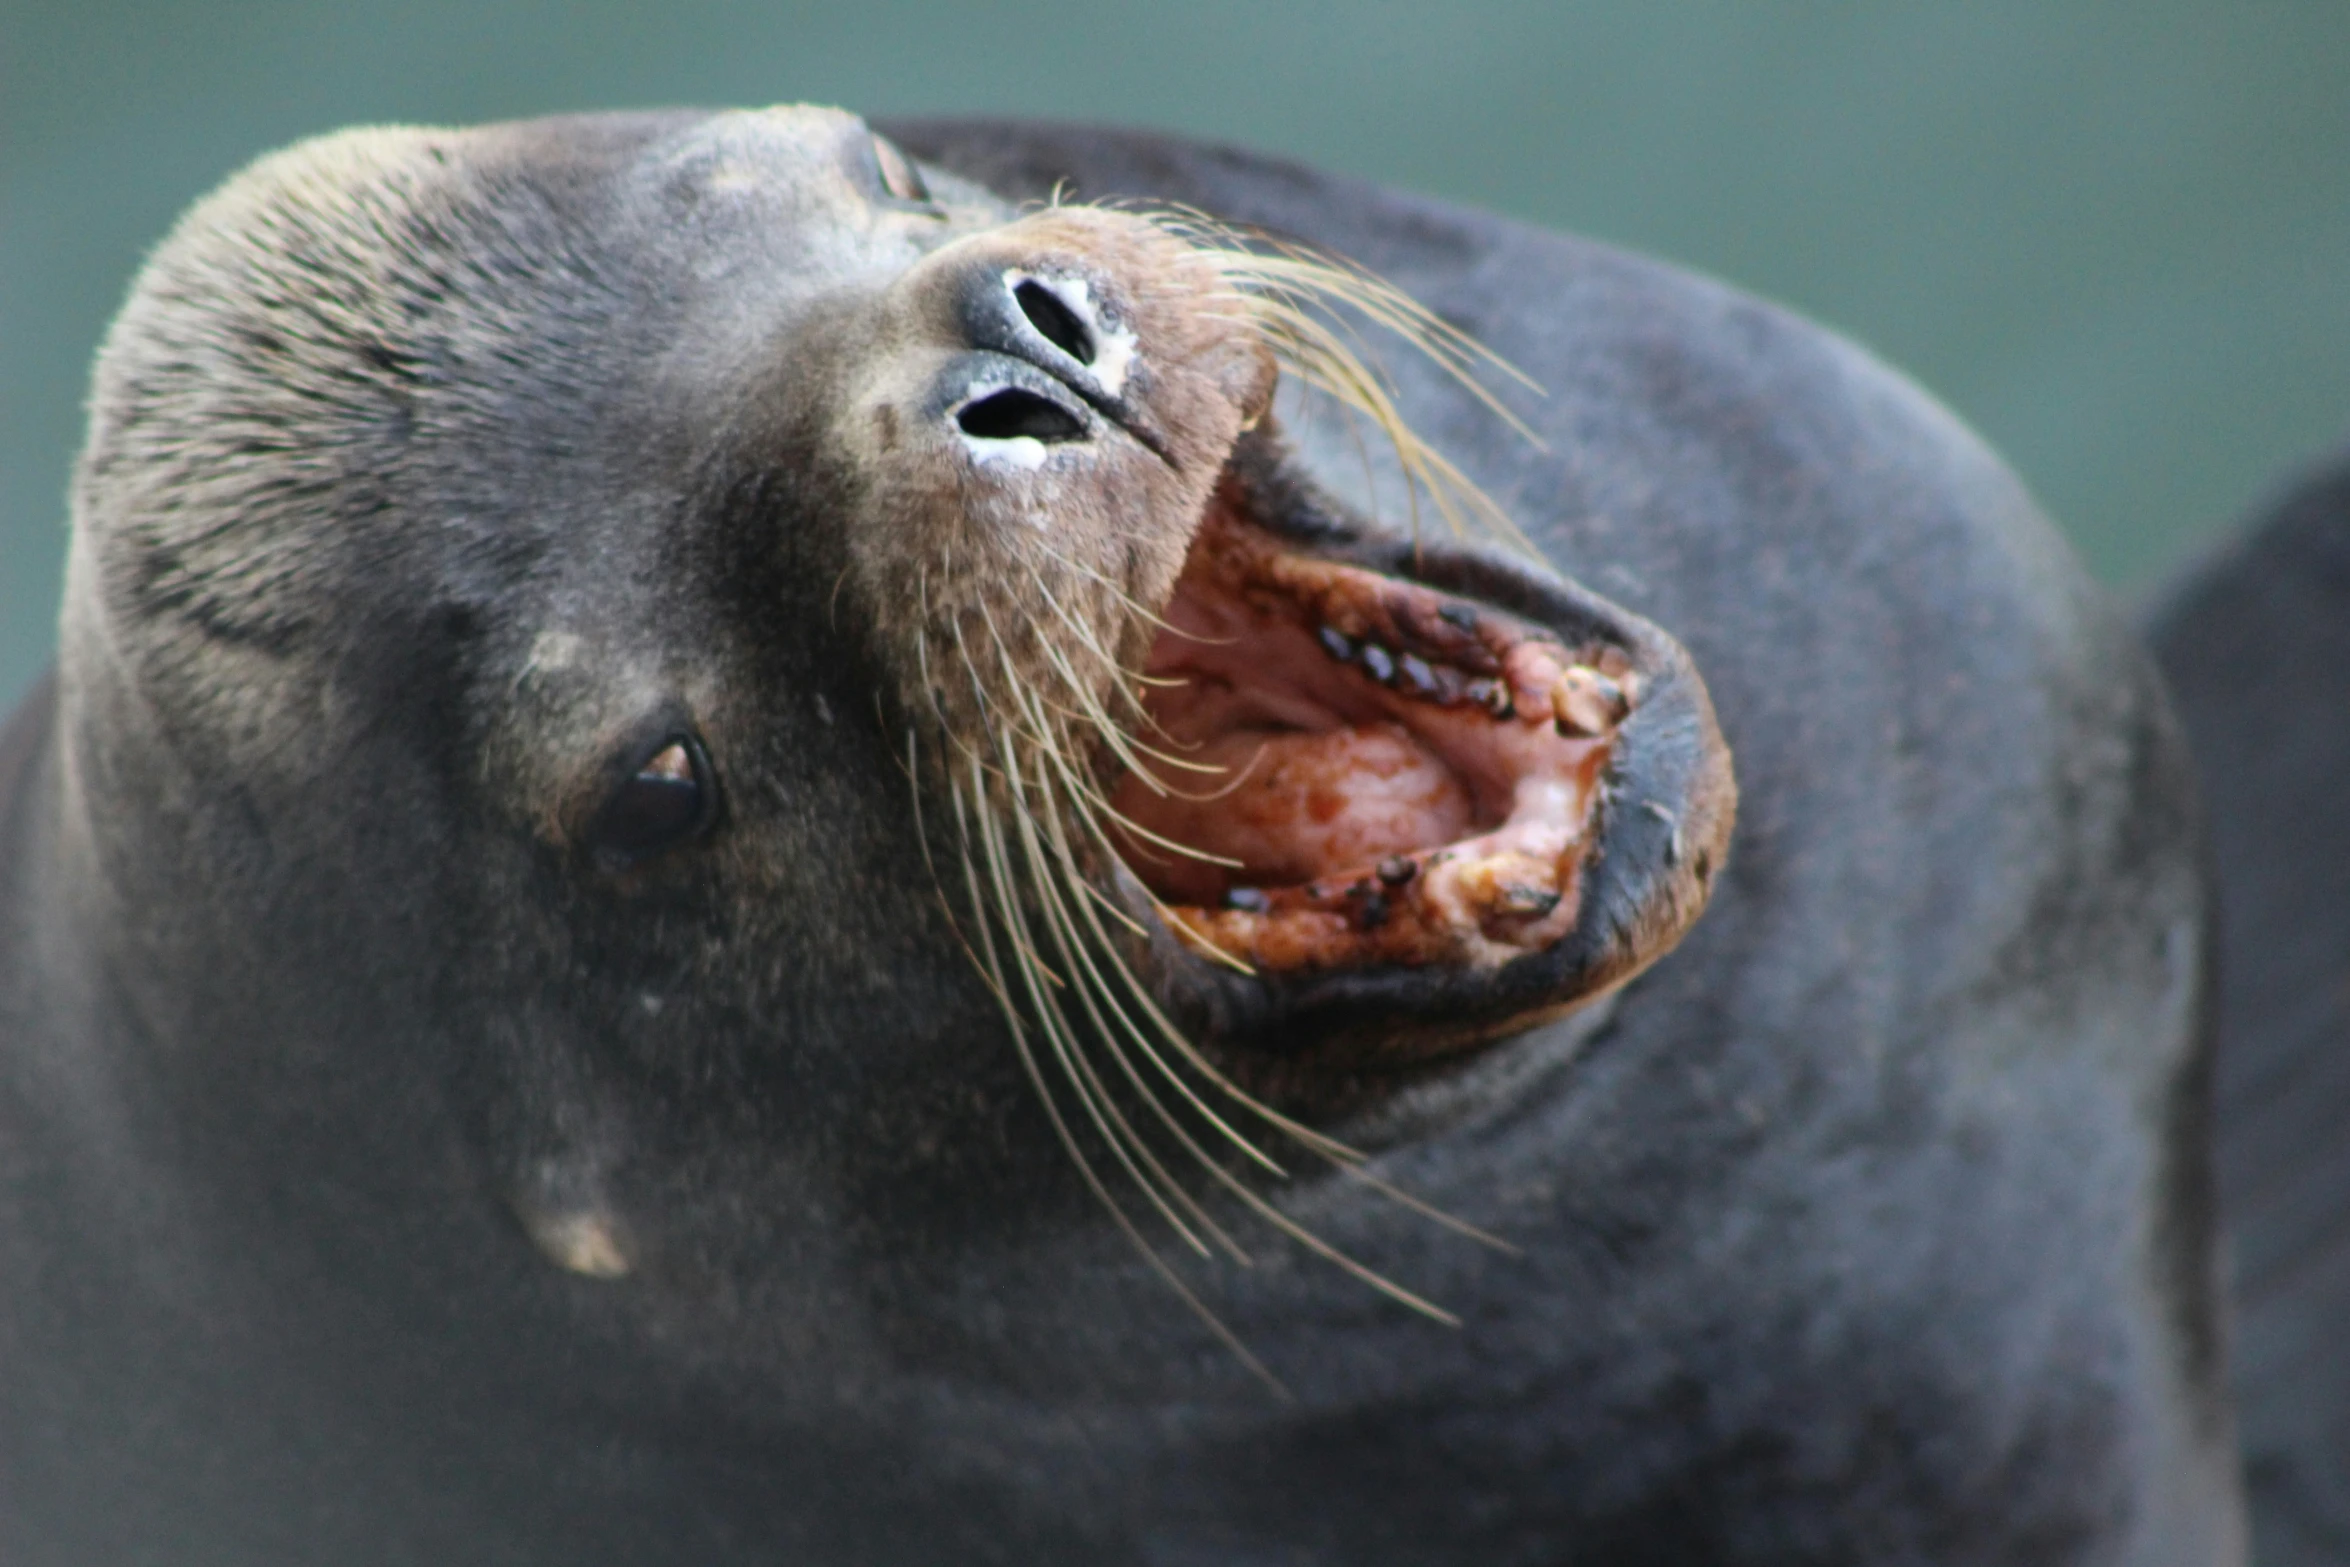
[(1055, 326)]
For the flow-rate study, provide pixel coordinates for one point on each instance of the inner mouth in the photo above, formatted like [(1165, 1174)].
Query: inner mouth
[(1346, 768)]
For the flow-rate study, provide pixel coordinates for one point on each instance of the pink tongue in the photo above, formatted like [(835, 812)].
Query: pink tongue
[(1305, 805)]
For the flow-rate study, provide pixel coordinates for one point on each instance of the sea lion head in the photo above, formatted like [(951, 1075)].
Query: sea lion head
[(700, 678)]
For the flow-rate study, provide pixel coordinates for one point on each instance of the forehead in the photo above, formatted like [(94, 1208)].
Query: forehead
[(381, 320), (760, 148), (795, 190)]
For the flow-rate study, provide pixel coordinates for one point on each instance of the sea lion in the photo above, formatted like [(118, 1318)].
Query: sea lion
[(578, 906), (2256, 642)]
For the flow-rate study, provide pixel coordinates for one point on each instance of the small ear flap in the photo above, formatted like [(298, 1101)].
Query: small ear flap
[(898, 175)]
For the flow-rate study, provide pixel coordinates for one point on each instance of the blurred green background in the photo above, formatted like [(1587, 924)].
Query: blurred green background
[(2116, 237)]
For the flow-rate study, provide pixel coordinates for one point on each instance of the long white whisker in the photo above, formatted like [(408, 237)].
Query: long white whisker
[(1078, 959), (1107, 1121), (1086, 1171)]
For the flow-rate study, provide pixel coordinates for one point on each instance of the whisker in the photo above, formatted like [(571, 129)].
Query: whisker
[(1299, 1233), (1075, 955), (1107, 1121), (1092, 1178)]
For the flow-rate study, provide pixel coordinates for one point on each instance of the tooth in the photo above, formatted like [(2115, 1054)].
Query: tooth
[(1586, 703), (1510, 886), (1518, 898), (1374, 911), (1418, 675), (1494, 697), (1336, 643), (1379, 663), (1249, 900), (1397, 870)]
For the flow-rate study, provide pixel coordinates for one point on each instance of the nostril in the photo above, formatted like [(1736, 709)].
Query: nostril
[(1004, 415), (1055, 320)]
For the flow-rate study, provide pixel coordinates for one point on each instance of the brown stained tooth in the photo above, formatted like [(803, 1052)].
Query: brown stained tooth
[(1336, 643), (1518, 898), (1417, 675), (1586, 703), (1497, 699), (1510, 886), (1378, 663), (1398, 870)]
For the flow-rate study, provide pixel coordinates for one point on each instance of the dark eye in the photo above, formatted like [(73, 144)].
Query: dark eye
[(666, 801), (898, 175)]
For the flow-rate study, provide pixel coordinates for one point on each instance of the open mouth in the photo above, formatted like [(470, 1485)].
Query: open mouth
[(1364, 770), (1408, 789)]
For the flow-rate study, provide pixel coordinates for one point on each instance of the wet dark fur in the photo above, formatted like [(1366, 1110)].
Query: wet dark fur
[(2256, 643), (1872, 1226)]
